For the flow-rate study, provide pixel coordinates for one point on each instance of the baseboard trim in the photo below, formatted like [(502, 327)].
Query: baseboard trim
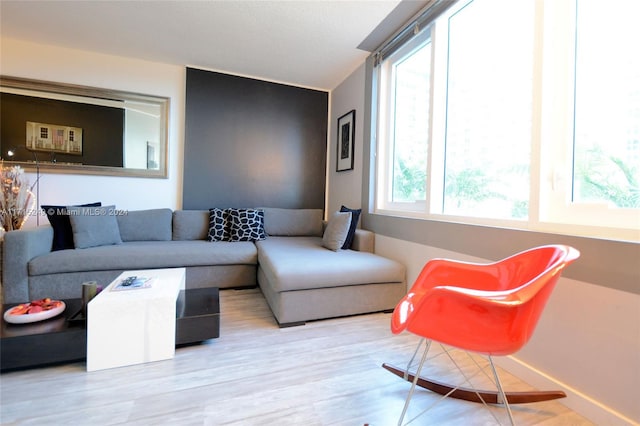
[(577, 401)]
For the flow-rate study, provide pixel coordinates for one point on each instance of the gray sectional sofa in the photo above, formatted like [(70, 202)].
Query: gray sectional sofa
[(301, 279)]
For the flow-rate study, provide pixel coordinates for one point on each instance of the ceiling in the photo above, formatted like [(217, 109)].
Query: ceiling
[(310, 43)]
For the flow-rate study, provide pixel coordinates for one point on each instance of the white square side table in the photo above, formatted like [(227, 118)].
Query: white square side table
[(135, 326)]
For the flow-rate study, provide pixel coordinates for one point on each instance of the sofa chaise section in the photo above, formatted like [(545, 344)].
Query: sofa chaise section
[(302, 280)]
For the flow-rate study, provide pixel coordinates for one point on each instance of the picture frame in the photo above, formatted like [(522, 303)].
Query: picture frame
[(346, 141), (53, 138)]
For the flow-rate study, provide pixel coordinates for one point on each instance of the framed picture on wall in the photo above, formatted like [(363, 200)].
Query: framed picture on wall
[(346, 137), (54, 138)]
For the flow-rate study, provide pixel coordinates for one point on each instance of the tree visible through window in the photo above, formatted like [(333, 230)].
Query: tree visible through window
[(411, 130), (607, 99), (488, 126)]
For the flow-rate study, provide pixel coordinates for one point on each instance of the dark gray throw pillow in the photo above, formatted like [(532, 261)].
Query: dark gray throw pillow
[(94, 226), (355, 216)]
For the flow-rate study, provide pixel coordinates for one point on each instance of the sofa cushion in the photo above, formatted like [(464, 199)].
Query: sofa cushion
[(59, 219), (246, 224), (337, 230), (94, 226), (293, 222), (302, 263), (190, 225), (145, 255), (218, 225), (355, 216), (145, 225)]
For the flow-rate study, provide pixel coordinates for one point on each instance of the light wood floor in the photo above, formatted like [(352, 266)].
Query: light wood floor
[(324, 373)]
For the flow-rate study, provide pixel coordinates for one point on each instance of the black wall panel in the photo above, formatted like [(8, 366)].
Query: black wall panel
[(252, 143)]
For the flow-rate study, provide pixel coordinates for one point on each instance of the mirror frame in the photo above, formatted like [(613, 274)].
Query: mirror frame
[(94, 92)]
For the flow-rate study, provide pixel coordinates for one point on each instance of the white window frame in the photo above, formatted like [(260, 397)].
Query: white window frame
[(386, 127), (557, 211), (550, 206)]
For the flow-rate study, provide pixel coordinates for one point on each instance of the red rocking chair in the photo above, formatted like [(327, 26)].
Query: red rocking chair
[(490, 309)]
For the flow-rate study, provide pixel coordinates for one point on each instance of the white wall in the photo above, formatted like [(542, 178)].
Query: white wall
[(346, 187), (587, 342), (62, 65)]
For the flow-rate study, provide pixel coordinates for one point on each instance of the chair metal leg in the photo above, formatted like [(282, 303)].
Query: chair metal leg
[(503, 397), (415, 379), (413, 357)]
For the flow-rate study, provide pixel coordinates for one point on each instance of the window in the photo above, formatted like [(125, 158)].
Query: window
[(607, 116), (488, 111), (522, 114), (406, 101)]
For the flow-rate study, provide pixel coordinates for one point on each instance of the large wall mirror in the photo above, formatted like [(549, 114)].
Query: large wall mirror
[(77, 129)]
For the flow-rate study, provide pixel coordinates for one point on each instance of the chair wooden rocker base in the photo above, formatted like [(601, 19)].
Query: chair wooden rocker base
[(467, 394)]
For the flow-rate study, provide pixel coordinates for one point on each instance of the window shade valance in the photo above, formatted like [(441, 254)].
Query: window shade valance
[(413, 27)]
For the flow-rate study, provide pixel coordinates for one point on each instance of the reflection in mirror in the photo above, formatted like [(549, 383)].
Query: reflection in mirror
[(78, 129)]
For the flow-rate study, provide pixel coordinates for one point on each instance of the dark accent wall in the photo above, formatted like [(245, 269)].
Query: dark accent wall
[(102, 128), (251, 143)]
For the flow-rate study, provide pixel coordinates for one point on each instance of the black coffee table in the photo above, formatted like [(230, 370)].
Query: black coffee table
[(46, 342), (197, 315), (58, 340)]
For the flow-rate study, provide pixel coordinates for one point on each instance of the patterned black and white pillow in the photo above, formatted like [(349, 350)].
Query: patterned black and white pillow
[(246, 225), (218, 225)]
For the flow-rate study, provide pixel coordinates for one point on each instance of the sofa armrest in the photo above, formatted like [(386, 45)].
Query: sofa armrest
[(19, 248), (363, 240)]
